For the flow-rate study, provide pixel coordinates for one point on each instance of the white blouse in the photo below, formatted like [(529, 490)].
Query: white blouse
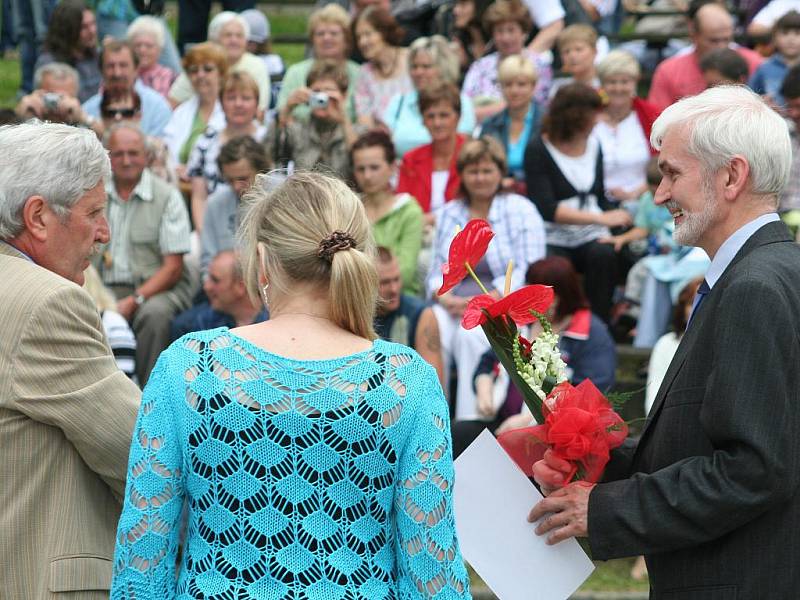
[(626, 153)]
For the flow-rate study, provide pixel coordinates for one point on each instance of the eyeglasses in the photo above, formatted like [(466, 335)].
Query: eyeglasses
[(119, 113), (195, 69)]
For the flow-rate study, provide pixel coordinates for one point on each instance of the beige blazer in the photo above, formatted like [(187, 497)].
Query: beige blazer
[(66, 417)]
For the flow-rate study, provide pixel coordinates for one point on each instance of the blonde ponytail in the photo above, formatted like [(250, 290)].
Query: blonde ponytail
[(292, 222)]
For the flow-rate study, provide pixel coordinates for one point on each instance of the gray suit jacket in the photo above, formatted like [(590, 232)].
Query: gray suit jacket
[(66, 417), (710, 494)]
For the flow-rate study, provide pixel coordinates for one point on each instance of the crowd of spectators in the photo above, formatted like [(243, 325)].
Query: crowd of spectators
[(529, 114)]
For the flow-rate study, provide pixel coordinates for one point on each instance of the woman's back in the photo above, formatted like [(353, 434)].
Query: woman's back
[(304, 479)]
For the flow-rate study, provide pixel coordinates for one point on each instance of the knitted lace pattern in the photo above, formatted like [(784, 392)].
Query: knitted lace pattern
[(304, 480)]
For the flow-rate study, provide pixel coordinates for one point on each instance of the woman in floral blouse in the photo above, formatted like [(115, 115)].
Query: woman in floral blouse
[(385, 73)]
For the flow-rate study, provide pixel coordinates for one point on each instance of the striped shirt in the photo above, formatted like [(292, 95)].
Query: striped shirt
[(519, 236), (173, 233), (203, 157)]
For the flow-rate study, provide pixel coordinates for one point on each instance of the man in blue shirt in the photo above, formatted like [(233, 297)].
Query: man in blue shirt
[(118, 63), (398, 313), (228, 303)]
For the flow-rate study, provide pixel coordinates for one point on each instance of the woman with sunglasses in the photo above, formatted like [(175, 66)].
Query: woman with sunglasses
[(127, 108), (206, 65)]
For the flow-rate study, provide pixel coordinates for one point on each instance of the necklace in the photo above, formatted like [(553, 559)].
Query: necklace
[(287, 314)]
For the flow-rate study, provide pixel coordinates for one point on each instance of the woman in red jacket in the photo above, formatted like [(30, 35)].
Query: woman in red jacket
[(429, 172)]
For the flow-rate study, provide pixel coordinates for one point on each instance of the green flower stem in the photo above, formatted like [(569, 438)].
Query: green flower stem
[(475, 277)]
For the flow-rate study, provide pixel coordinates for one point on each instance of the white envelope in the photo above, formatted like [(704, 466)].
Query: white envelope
[(492, 499)]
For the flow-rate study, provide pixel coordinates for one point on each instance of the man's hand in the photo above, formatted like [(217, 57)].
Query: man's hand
[(617, 217), (565, 513), (127, 307), (70, 110), (614, 240), (31, 105), (454, 305), (518, 421), (551, 472)]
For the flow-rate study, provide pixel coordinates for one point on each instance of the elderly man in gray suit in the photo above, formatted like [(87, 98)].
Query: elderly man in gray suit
[(711, 492), (66, 410)]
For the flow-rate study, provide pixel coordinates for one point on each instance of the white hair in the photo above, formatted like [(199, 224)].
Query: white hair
[(119, 125), (146, 25), (222, 19), (731, 120), (58, 162), (57, 70), (618, 62)]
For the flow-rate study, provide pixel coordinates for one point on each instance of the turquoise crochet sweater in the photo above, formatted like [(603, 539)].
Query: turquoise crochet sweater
[(312, 480)]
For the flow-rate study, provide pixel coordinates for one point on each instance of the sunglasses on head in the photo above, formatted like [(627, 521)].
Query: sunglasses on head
[(116, 113), (196, 69)]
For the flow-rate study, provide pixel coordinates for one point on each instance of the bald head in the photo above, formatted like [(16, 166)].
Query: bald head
[(712, 29), (126, 148)]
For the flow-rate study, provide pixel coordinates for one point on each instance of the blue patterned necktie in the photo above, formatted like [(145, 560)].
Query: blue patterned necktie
[(698, 300)]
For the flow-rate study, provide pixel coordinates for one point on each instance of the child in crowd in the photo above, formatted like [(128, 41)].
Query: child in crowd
[(724, 67), (577, 45), (259, 43), (768, 78)]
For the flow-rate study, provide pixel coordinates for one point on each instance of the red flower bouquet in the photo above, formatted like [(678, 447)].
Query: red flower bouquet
[(577, 422)]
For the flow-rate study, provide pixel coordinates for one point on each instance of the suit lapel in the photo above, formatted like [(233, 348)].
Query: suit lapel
[(768, 234)]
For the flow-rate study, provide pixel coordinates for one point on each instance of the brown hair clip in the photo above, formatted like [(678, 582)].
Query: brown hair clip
[(338, 240)]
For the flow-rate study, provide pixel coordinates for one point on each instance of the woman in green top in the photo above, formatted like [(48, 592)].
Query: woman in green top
[(396, 219), (206, 66), (331, 39)]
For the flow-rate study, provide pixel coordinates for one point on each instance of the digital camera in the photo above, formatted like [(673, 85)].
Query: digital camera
[(50, 101), (319, 100)]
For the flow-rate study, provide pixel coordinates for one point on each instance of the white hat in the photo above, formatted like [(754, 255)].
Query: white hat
[(259, 25)]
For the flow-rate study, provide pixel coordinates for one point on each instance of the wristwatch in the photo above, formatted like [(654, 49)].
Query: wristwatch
[(139, 299)]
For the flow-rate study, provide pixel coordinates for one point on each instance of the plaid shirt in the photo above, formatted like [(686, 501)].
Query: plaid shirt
[(158, 77), (519, 236)]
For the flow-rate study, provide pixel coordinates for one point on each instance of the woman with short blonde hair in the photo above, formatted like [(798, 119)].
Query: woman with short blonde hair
[(306, 410), (624, 127), (518, 122)]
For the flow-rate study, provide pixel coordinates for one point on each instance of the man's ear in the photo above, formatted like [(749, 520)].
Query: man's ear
[(735, 179), (37, 216)]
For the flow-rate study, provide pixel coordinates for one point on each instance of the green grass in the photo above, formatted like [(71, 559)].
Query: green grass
[(614, 576), (608, 576)]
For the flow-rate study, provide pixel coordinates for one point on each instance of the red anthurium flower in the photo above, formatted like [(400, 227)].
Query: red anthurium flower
[(473, 314), (468, 246), (515, 306), (518, 305)]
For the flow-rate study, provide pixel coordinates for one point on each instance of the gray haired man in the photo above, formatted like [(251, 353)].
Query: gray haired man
[(66, 410)]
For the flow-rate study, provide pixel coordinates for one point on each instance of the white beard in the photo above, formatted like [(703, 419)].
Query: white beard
[(695, 225)]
